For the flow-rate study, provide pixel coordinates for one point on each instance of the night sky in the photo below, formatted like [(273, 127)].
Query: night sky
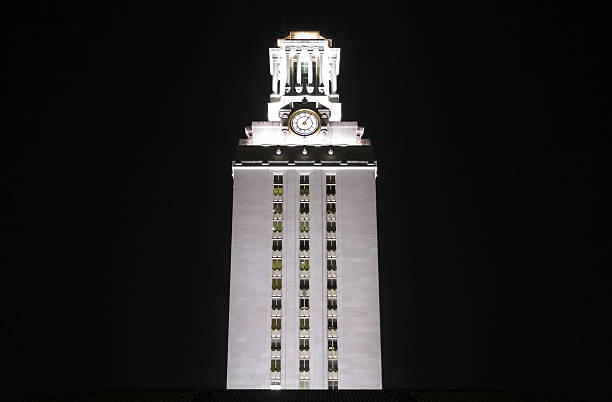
[(493, 194)]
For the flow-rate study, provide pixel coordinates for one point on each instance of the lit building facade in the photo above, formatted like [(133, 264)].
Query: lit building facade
[(304, 299)]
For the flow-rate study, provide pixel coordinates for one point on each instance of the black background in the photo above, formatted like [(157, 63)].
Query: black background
[(494, 223)]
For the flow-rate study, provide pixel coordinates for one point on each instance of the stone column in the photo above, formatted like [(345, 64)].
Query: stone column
[(282, 75), (298, 81), (289, 68), (310, 67), (325, 73), (275, 76), (332, 72)]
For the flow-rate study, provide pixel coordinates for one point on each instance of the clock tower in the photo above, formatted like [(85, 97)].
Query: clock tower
[(304, 299)]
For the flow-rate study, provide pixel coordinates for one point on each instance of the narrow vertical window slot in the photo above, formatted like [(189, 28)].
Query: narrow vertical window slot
[(304, 278), (332, 285), (277, 282)]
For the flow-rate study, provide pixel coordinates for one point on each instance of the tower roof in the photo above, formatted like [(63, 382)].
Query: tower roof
[(303, 35)]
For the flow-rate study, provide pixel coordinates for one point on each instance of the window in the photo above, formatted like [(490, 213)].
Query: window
[(331, 264), (276, 344), (278, 179), (332, 344), (331, 226), (304, 284), (276, 323), (277, 264), (276, 303), (277, 245), (304, 184), (277, 284), (277, 226), (304, 264), (332, 284), (304, 365), (331, 245), (304, 344), (304, 245), (332, 323), (332, 384), (304, 323), (277, 207), (304, 226), (304, 207), (278, 189), (329, 179), (331, 208), (332, 303), (304, 303), (275, 365), (304, 384), (330, 190), (332, 365)]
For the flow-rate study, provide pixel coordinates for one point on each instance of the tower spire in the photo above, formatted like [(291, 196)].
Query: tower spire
[(304, 64)]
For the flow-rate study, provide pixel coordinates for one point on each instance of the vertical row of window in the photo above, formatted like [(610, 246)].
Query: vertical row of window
[(332, 285), (304, 274), (277, 281)]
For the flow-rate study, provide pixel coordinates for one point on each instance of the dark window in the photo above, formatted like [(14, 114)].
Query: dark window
[(276, 344), (331, 208), (304, 207), (276, 323), (276, 303), (332, 384), (304, 75), (304, 284), (304, 245), (304, 302), (332, 303), (275, 365), (276, 283), (304, 179), (331, 245), (332, 323), (304, 365), (277, 245), (304, 344), (330, 190), (331, 264), (331, 226), (277, 207), (278, 179), (332, 344), (332, 284), (304, 323), (330, 179), (332, 365)]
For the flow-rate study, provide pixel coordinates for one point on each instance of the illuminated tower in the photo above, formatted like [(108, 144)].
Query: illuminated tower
[(304, 310)]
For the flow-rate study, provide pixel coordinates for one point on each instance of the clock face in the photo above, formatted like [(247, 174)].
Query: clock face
[(304, 122)]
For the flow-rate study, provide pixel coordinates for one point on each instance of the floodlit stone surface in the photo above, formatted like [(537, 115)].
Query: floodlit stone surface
[(249, 309), (359, 357)]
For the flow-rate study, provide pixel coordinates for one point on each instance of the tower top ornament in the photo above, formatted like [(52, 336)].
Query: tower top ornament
[(304, 35), (304, 65)]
